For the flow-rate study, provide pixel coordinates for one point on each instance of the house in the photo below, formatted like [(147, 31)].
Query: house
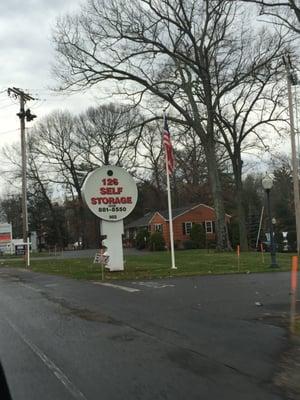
[(183, 220)]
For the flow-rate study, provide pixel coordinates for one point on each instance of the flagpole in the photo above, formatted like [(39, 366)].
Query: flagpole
[(170, 212), (170, 219)]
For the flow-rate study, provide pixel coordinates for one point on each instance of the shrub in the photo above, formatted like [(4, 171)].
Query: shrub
[(198, 236), (156, 242), (142, 239), (233, 233), (189, 244), (177, 244), (211, 244)]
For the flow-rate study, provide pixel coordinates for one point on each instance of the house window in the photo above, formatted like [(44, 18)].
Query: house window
[(149, 228), (187, 228), (158, 227), (209, 228)]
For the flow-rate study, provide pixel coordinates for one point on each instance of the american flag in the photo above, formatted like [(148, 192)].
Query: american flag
[(168, 147)]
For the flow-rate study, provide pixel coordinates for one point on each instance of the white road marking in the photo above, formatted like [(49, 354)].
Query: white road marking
[(125, 288), (77, 394), (153, 285)]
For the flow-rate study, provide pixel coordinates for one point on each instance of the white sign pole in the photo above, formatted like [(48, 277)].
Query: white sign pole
[(113, 244)]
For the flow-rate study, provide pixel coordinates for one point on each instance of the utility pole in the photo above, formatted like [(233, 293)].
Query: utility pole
[(23, 97), (291, 80)]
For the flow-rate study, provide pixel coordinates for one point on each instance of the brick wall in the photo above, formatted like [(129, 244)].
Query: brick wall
[(197, 215)]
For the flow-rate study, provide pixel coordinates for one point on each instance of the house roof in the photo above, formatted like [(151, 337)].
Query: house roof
[(143, 221), (176, 212)]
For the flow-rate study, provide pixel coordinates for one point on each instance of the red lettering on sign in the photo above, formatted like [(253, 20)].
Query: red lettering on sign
[(110, 181), (110, 190), (111, 200)]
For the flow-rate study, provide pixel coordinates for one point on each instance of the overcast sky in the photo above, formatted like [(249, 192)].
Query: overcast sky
[(26, 57)]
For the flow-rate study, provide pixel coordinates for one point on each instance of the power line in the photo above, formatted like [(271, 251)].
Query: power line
[(9, 105), (5, 99), (39, 104), (10, 131)]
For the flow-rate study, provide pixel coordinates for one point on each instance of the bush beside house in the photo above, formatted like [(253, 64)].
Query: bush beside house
[(157, 242)]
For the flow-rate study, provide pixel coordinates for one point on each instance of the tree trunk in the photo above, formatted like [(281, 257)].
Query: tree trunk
[(59, 236), (82, 222), (241, 216), (215, 185), (237, 171)]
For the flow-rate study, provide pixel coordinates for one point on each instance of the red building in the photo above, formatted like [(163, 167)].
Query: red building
[(183, 220)]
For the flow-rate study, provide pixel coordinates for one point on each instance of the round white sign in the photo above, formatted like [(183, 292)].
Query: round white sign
[(110, 193)]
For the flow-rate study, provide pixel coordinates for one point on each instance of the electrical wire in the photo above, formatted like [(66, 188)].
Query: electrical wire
[(5, 102), (9, 105), (10, 131), (39, 104)]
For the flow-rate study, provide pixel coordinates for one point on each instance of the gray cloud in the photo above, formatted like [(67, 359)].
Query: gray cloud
[(25, 60)]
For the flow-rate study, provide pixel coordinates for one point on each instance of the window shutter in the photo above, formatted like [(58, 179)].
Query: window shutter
[(183, 228), (214, 226)]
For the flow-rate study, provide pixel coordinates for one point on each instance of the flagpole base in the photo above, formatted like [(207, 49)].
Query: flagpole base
[(173, 267)]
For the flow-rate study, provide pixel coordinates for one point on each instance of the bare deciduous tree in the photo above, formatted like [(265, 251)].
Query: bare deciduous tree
[(247, 119), (151, 165), (284, 12), (56, 148), (108, 134), (184, 54)]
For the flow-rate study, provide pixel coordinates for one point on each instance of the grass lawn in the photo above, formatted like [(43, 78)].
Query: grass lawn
[(157, 265)]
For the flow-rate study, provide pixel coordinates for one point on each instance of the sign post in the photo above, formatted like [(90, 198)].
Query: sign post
[(111, 194)]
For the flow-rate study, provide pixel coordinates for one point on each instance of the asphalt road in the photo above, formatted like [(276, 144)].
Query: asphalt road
[(188, 338)]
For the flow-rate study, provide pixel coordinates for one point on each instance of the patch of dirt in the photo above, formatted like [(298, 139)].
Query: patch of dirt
[(82, 313), (279, 319), (288, 377), (194, 363), (93, 316)]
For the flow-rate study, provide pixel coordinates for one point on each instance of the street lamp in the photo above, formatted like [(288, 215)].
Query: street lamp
[(267, 184)]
